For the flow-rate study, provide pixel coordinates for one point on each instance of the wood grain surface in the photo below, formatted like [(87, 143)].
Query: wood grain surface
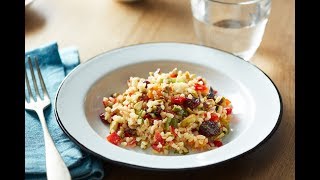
[(95, 26)]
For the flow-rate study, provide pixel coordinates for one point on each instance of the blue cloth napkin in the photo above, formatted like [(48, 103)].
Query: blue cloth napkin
[(55, 65)]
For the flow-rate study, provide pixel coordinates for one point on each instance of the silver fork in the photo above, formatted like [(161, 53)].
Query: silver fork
[(56, 168)]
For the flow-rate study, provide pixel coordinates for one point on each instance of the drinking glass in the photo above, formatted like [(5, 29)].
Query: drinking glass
[(235, 26)]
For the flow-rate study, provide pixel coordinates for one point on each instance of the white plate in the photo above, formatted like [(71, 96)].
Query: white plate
[(257, 105)]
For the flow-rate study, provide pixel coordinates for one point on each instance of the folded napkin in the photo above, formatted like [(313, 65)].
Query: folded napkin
[(55, 65)]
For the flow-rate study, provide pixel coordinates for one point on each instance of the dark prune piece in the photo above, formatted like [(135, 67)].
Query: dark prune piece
[(102, 118), (211, 93), (147, 82), (192, 103), (209, 128), (129, 132), (157, 111), (144, 97), (205, 106)]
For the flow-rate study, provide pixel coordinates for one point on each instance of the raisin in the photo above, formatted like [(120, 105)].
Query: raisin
[(102, 117), (192, 103), (129, 132), (205, 106), (144, 97), (147, 82), (157, 111), (209, 128), (211, 94)]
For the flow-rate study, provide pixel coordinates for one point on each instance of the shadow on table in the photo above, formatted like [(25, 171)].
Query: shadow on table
[(255, 162), (33, 20)]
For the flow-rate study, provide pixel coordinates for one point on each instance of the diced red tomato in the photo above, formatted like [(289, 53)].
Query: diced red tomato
[(158, 138), (114, 138), (200, 87), (178, 100), (147, 116), (214, 117), (172, 131), (155, 147), (229, 110), (217, 143), (173, 75)]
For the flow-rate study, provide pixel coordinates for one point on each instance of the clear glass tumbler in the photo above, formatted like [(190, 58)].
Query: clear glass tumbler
[(235, 26)]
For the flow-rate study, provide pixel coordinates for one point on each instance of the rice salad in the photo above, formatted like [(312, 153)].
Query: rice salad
[(174, 112)]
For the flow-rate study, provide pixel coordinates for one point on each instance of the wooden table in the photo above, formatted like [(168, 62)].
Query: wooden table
[(95, 26)]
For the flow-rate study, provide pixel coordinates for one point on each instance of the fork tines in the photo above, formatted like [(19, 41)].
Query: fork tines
[(30, 94)]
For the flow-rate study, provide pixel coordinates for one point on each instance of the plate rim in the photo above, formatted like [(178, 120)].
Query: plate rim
[(167, 169)]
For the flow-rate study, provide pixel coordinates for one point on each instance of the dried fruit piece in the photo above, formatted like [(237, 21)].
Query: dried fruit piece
[(209, 128), (192, 103), (211, 93)]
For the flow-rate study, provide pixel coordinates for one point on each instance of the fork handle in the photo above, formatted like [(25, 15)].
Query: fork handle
[(56, 168)]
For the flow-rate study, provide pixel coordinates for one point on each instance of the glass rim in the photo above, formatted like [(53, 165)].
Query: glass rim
[(237, 3)]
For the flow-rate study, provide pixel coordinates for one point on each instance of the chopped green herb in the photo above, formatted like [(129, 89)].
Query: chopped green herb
[(166, 126), (174, 122)]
